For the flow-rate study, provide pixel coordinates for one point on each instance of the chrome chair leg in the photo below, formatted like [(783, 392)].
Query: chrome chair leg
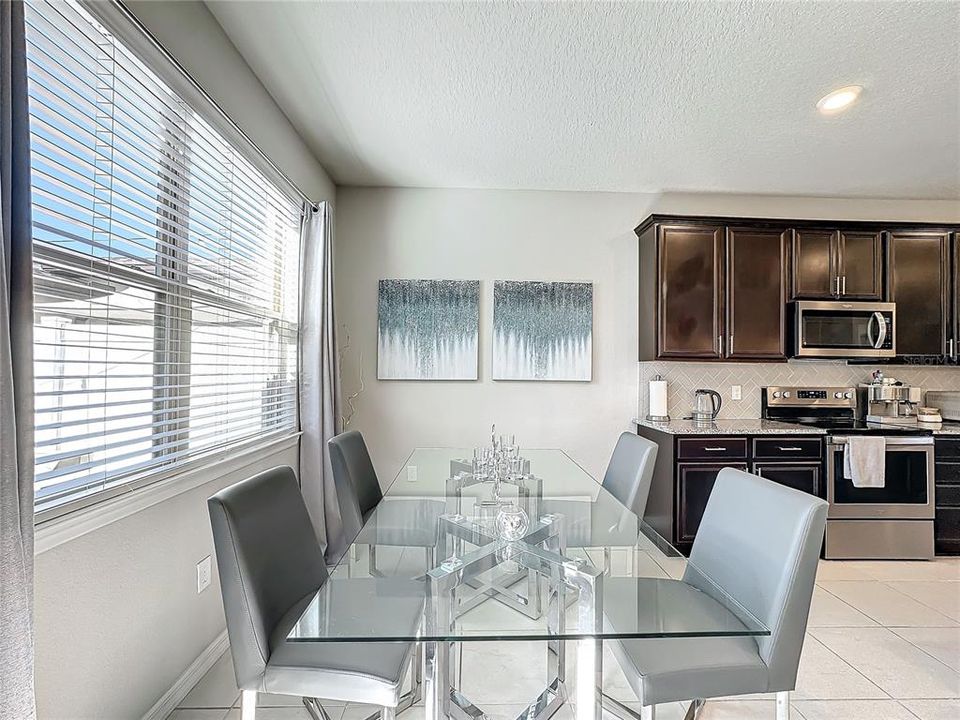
[(248, 705), (619, 710), (783, 705), (388, 713), (696, 707), (648, 712), (315, 709), (416, 690)]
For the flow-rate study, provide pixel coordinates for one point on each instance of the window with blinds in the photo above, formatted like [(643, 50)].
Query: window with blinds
[(165, 265)]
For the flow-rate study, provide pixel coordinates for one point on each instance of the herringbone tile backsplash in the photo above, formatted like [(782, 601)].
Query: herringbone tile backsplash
[(684, 377)]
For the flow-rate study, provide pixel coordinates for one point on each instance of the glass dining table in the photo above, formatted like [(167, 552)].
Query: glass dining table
[(451, 557)]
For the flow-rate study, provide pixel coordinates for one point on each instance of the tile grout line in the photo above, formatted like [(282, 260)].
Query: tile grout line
[(921, 602), (849, 665), (889, 587), (844, 602), (900, 702), (893, 628), (925, 652)]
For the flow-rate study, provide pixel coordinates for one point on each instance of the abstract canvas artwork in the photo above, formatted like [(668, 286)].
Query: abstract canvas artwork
[(542, 330), (428, 329)]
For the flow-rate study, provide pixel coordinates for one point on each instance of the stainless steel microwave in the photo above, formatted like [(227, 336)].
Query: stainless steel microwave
[(840, 329)]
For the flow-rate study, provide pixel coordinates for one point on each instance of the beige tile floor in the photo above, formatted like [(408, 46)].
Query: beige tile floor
[(883, 643)]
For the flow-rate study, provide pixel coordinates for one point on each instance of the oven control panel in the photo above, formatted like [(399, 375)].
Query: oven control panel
[(835, 397)]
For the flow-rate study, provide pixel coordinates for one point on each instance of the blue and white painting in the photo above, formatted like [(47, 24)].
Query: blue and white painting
[(428, 329), (542, 330)]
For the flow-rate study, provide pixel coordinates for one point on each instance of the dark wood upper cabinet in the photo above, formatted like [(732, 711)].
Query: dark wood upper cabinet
[(918, 282), (718, 288), (689, 313), (861, 266), (756, 293), (953, 341), (814, 258), (837, 264)]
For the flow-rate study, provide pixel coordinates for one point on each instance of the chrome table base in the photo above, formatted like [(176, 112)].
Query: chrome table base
[(539, 554)]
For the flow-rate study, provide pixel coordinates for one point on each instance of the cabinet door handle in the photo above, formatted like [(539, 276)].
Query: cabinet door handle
[(843, 285), (730, 345), (836, 283), (714, 449), (950, 348), (788, 449)]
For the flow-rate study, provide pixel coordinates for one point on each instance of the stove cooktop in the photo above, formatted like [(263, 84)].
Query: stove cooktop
[(858, 427)]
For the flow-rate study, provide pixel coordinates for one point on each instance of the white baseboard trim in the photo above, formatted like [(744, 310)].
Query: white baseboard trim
[(169, 701)]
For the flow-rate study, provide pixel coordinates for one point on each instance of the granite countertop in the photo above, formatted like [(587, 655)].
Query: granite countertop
[(946, 428), (746, 426), (756, 426)]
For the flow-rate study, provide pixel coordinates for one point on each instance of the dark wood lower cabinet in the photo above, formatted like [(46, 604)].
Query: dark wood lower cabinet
[(694, 485), (799, 476), (946, 524), (687, 468)]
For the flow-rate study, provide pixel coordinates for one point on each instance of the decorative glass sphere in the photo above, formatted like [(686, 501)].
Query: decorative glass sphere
[(512, 522)]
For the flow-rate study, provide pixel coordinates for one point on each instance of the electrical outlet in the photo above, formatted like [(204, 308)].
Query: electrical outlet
[(736, 392), (204, 571), (411, 473)]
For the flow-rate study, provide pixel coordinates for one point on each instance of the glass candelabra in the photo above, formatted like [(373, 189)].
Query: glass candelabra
[(496, 464)]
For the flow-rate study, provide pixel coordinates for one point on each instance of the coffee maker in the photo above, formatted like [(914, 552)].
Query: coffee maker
[(889, 401)]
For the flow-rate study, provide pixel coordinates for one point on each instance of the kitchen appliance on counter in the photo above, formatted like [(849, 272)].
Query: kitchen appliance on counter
[(929, 415), (947, 401), (840, 329), (890, 522), (706, 405), (886, 400)]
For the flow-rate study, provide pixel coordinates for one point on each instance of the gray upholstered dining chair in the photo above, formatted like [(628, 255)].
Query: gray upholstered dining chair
[(627, 478), (759, 543), (271, 566), (399, 522)]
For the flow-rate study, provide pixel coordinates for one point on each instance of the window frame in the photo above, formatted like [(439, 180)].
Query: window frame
[(174, 294)]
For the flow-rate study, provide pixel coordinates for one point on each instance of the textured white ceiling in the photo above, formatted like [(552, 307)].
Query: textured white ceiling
[(653, 96)]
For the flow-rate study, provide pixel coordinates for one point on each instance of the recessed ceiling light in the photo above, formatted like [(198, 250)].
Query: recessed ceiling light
[(839, 99)]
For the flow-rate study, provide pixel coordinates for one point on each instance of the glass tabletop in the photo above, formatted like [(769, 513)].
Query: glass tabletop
[(545, 554)]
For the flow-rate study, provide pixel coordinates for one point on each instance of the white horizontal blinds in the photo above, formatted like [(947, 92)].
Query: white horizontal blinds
[(166, 270)]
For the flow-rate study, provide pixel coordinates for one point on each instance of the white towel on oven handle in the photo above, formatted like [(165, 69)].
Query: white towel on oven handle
[(865, 461)]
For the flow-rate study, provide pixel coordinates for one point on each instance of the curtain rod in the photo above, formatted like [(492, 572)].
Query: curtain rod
[(129, 15)]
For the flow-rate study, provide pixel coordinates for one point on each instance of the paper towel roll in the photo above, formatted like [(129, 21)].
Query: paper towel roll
[(658, 399)]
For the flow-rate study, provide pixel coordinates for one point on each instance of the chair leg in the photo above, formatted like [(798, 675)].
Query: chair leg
[(315, 709), (648, 712), (372, 568), (696, 707), (417, 689), (248, 705), (388, 713), (783, 705)]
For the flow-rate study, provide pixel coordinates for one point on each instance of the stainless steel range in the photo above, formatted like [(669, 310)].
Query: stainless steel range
[(894, 521)]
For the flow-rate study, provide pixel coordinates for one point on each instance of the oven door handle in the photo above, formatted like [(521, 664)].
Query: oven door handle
[(838, 441)]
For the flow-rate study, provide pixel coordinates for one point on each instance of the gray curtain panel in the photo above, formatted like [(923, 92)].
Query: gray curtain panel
[(16, 376), (319, 376)]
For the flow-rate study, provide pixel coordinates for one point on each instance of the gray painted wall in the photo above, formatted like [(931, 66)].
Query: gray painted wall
[(522, 235), (118, 617)]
